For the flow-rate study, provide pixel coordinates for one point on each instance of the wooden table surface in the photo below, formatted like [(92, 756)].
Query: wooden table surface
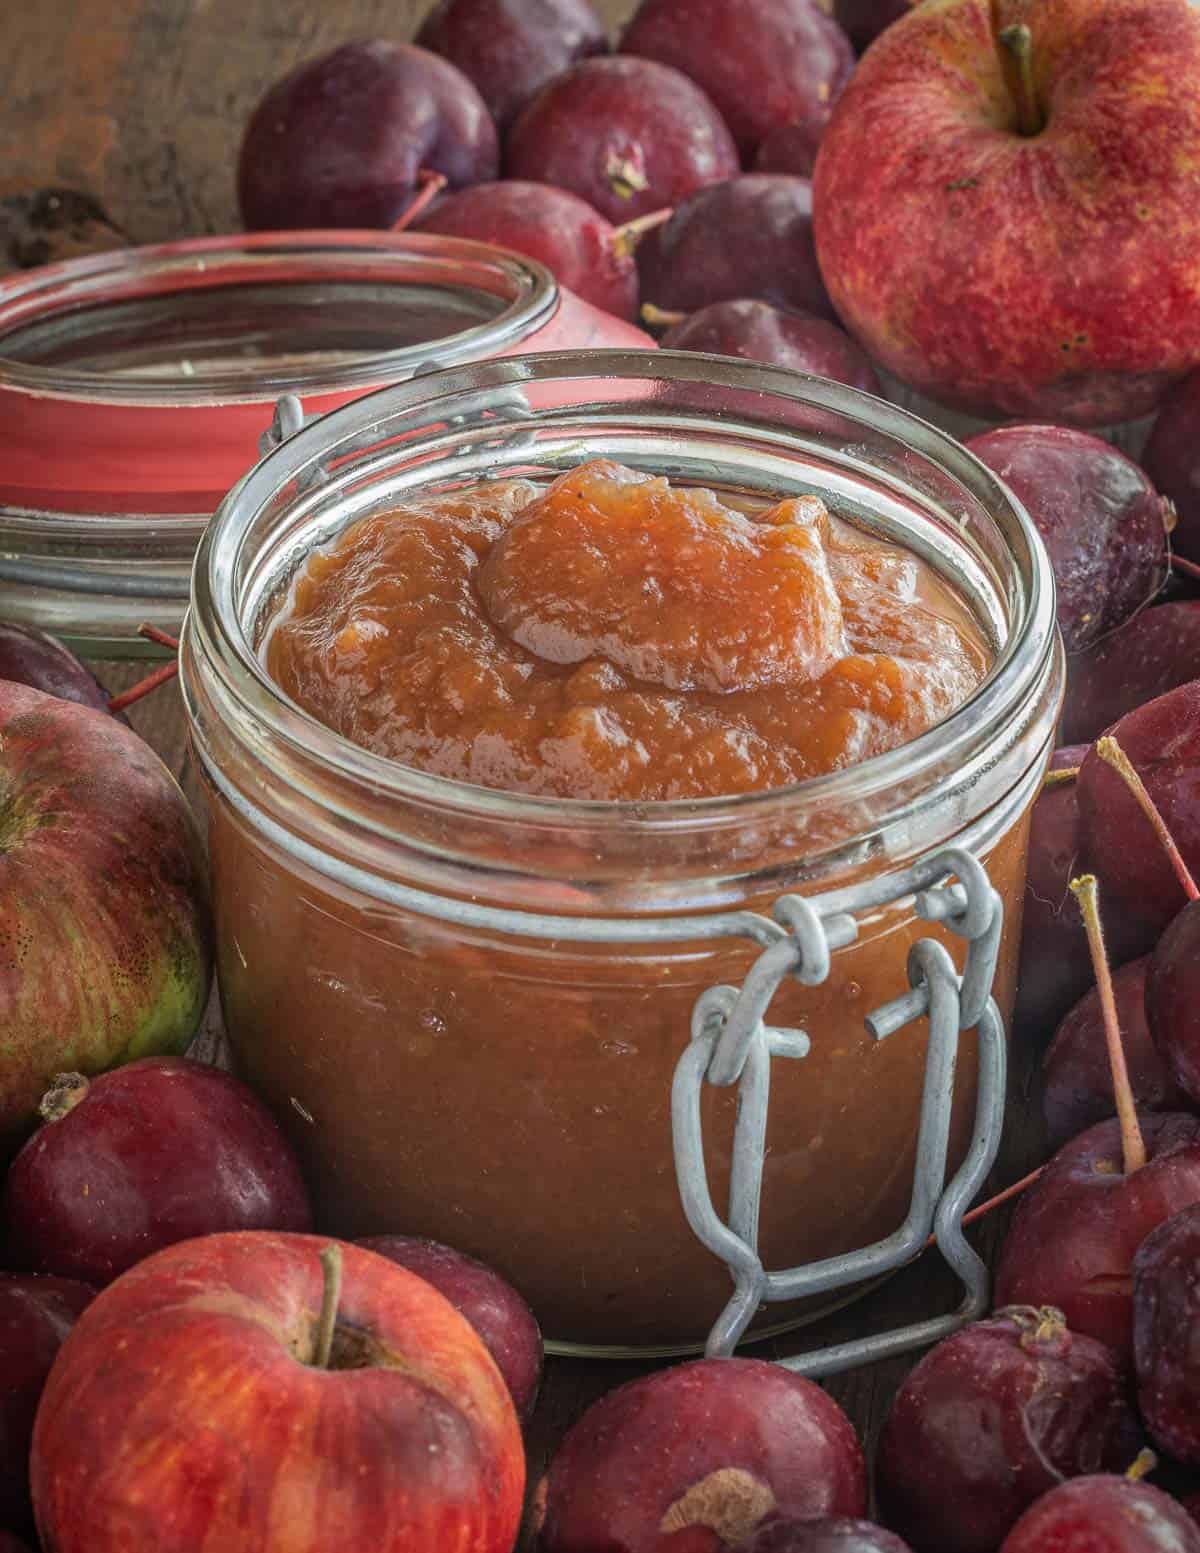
[(140, 103)]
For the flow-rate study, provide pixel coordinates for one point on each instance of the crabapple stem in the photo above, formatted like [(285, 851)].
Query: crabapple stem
[(163, 638), (143, 687), (1180, 563), (1017, 42), (430, 185), (1057, 778), (626, 237), (1144, 1462), (997, 1201), (1133, 1146), (660, 317), (1113, 755), (331, 1267)]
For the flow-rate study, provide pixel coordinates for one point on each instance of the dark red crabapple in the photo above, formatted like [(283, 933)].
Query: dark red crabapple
[(1141, 889), (824, 1534), (690, 260), (31, 657), (1156, 651), (1166, 1317), (151, 1153), (792, 149), (716, 1445), (1103, 523), (561, 231), (1172, 994), (35, 1316), (864, 20), (1076, 1229), (992, 1418), (763, 62), (1077, 1084), (341, 140), (630, 136), (1172, 460), (761, 332), (1055, 968), (1104, 1514), (509, 49), (493, 1307)]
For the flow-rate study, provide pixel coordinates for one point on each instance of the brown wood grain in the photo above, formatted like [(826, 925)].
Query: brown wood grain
[(140, 103)]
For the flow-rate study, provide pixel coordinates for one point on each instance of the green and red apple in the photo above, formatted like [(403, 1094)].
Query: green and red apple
[(1007, 204), (105, 937)]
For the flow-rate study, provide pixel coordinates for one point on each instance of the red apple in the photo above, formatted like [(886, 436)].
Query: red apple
[(196, 1405), (105, 947), (31, 657), (503, 1320), (1005, 204), (159, 1151), (35, 1315)]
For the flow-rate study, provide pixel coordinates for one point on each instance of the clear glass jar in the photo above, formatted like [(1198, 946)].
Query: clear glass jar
[(511, 1094), (135, 386)]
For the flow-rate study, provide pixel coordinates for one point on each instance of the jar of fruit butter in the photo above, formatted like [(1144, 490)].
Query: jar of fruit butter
[(135, 386), (522, 696)]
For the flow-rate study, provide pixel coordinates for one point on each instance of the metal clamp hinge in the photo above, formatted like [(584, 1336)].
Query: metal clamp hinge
[(732, 1044)]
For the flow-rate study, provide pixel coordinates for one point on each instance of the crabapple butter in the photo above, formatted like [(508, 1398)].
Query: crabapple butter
[(618, 638), (614, 637)]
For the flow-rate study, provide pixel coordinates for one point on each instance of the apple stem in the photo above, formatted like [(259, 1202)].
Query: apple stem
[(429, 186), (1113, 755), (625, 238), (997, 1201), (163, 638), (1058, 778), (1144, 1462), (143, 687), (661, 317), (1133, 1146), (1180, 563), (1018, 44), (331, 1267)]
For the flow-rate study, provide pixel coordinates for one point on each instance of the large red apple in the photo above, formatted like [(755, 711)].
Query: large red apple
[(105, 950), (1022, 239), (196, 1406), (35, 1315)]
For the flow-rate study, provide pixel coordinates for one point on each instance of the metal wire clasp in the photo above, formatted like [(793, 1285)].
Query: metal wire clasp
[(732, 1044)]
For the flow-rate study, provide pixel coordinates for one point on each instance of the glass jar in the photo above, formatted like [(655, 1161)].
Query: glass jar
[(510, 1092), (135, 387)]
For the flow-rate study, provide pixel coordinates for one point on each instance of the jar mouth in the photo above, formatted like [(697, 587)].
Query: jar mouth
[(428, 424), (244, 319)]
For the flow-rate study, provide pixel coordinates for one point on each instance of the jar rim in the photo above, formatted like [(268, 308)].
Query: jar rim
[(529, 291), (215, 631)]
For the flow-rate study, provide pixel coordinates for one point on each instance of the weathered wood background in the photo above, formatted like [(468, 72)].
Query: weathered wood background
[(140, 104)]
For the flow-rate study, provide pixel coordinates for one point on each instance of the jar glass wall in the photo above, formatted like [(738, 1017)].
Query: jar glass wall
[(510, 1092), (135, 387)]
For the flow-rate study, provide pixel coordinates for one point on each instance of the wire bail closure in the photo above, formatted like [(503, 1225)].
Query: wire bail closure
[(732, 1044)]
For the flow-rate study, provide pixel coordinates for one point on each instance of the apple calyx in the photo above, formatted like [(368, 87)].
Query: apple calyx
[(730, 1501), (65, 1092), (626, 174), (1133, 1145), (331, 1268), (1017, 44), (1037, 1323)]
